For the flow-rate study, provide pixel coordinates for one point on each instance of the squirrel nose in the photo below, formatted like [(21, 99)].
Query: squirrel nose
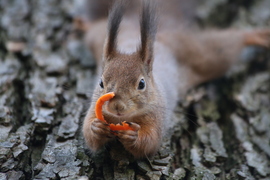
[(117, 103), (116, 106), (119, 106)]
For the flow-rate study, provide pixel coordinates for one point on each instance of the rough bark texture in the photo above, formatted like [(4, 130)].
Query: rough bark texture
[(46, 79)]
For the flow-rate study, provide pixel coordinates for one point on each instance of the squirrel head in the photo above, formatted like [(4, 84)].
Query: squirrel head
[(129, 76)]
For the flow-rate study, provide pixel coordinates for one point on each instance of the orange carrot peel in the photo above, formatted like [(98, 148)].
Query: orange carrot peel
[(98, 110), (118, 127), (99, 104)]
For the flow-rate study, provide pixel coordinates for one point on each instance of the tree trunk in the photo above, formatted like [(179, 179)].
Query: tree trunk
[(46, 80)]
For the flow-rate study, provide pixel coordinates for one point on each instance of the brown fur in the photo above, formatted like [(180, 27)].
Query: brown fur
[(176, 61)]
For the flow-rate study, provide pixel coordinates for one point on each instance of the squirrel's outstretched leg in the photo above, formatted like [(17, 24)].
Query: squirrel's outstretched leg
[(258, 38), (210, 54)]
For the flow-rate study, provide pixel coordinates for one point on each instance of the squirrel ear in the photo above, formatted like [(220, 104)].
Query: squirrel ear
[(148, 32), (114, 20)]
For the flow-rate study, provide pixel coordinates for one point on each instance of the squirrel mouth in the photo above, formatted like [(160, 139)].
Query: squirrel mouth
[(115, 113), (118, 114)]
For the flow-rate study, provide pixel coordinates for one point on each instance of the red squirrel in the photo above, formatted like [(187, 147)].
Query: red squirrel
[(150, 68)]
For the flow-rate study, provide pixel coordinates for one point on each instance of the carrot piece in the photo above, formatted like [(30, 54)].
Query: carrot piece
[(99, 104), (98, 110), (118, 127)]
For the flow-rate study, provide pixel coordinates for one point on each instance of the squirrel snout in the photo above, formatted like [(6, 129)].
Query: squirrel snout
[(117, 107)]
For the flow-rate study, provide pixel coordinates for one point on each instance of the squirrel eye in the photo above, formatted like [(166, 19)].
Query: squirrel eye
[(141, 85), (101, 84)]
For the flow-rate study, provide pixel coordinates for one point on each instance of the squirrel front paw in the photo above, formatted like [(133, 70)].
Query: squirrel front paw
[(101, 130), (138, 142), (128, 137)]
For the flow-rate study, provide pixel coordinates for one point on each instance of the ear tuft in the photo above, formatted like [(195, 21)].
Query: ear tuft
[(114, 20), (148, 32)]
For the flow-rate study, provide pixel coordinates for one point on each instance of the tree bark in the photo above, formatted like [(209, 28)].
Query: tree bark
[(46, 80)]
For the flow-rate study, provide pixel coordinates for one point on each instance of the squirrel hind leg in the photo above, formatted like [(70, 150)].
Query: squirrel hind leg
[(258, 38)]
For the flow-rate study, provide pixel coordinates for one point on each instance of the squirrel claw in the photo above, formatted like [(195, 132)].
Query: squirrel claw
[(129, 123), (134, 126), (114, 132)]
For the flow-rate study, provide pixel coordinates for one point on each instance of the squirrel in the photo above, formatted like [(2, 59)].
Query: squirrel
[(149, 65)]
